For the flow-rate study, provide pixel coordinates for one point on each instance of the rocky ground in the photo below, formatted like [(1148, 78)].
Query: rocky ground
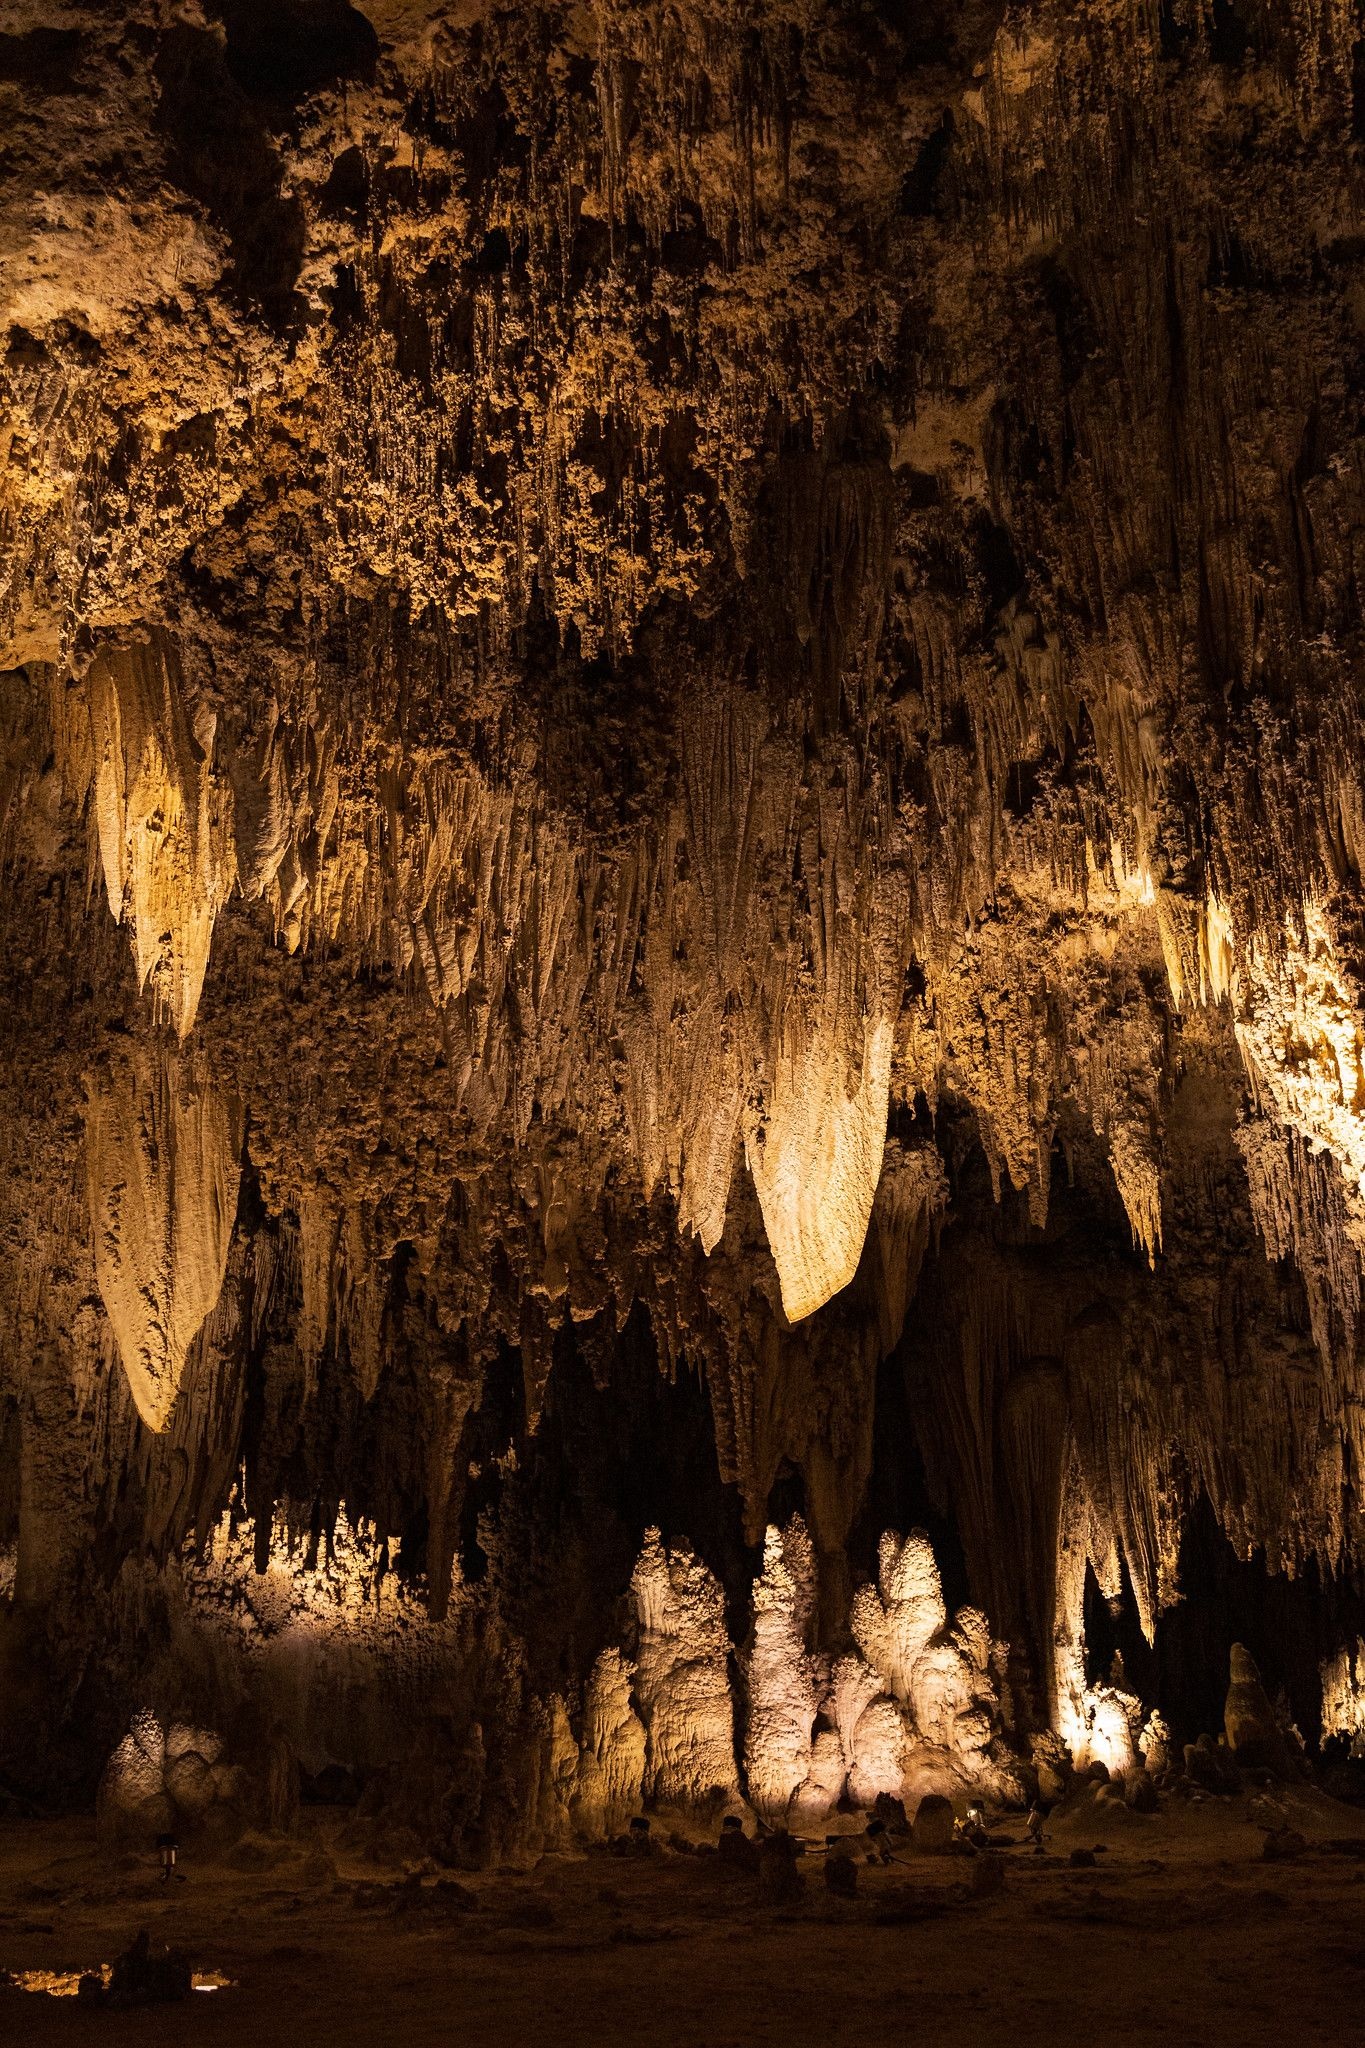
[(1181, 1931)]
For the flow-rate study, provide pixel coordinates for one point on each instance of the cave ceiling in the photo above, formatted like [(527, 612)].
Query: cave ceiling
[(661, 660)]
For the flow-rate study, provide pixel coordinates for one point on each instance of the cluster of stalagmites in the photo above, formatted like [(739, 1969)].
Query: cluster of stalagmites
[(914, 1708), (916, 1719), (177, 1780)]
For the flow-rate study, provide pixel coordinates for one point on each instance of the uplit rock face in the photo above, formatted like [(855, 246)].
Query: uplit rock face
[(1343, 1695), (940, 1677), (707, 664), (611, 1763), (781, 1680), (681, 1682), (918, 1715)]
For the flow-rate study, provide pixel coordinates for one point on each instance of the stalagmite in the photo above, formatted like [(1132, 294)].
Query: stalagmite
[(681, 1684), (611, 1761), (895, 1621), (871, 1731), (1343, 1695), (163, 1164), (939, 1674), (779, 1676), (1247, 1717)]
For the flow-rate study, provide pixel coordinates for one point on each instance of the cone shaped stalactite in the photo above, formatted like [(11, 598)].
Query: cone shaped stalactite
[(163, 1163)]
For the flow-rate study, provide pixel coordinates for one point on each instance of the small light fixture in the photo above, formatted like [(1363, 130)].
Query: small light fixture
[(169, 1847)]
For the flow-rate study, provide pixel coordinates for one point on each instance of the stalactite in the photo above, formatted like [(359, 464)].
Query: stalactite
[(162, 824), (163, 1163)]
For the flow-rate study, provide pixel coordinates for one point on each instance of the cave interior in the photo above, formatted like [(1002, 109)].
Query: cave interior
[(682, 1017)]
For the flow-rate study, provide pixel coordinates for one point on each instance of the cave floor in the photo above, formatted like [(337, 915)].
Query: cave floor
[(1181, 1934)]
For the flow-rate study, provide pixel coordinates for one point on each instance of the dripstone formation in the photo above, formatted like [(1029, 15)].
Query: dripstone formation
[(682, 974)]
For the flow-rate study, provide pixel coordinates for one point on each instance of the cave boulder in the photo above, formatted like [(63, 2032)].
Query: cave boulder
[(934, 1824)]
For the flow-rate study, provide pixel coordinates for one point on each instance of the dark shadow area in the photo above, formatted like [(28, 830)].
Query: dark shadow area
[(560, 1521), (898, 1496), (1290, 1625), (280, 51), (221, 155), (41, 60)]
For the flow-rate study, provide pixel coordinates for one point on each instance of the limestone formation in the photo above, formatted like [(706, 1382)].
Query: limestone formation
[(611, 1762), (1248, 1721), (681, 1682), (780, 1679), (163, 1163), (932, 1831), (173, 1781), (682, 808)]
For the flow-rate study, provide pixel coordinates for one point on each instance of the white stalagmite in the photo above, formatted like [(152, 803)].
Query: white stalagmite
[(937, 1675), (781, 1674), (682, 1684), (163, 1167), (916, 1711), (611, 1761), (892, 1627), (871, 1730)]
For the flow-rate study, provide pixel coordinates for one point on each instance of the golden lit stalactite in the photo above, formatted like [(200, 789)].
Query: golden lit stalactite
[(816, 1152), (164, 827), (1299, 1028), (817, 1160), (163, 1167)]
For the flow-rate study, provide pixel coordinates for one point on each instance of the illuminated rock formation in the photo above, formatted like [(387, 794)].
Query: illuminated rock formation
[(163, 826), (681, 1683), (163, 1163), (1343, 1695), (918, 1713), (817, 1166), (939, 1675), (780, 1679), (611, 1760)]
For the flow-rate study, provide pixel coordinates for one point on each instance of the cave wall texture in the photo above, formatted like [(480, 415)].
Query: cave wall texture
[(682, 797)]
